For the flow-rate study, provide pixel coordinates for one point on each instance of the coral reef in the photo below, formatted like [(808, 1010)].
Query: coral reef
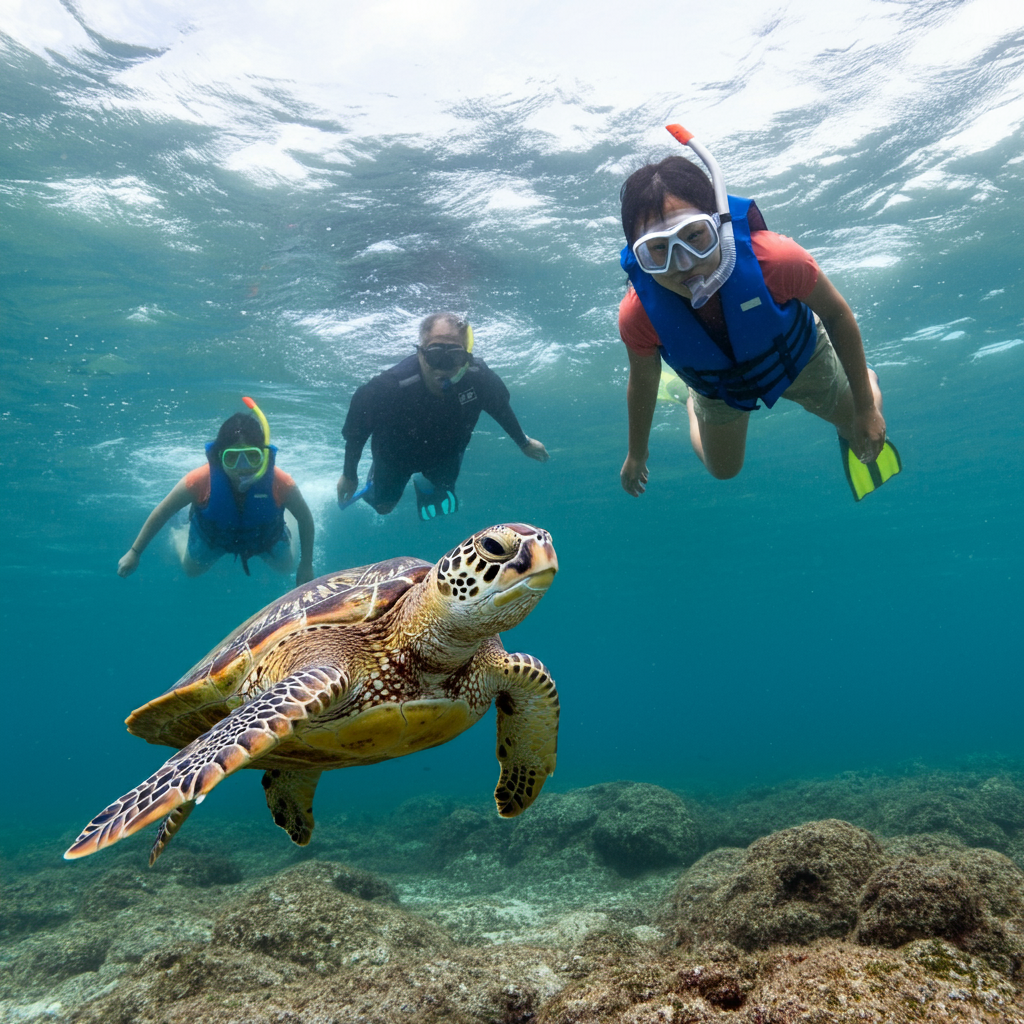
[(596, 906)]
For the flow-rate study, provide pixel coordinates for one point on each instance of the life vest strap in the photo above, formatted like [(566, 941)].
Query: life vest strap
[(748, 380)]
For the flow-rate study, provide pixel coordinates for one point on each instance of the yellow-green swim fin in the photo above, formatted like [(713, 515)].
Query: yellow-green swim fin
[(863, 479), (671, 387)]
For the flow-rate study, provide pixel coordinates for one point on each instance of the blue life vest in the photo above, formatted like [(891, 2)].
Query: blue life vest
[(250, 530), (771, 343)]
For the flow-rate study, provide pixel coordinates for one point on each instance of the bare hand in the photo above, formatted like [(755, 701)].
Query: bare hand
[(346, 488), (129, 563), (304, 573), (634, 476), (868, 434), (535, 450)]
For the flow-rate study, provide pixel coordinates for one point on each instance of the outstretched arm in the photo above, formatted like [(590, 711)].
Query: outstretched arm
[(867, 432), (179, 497), (296, 504), (641, 399)]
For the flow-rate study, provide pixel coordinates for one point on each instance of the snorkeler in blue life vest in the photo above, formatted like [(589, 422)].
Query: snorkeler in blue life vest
[(238, 501), (419, 417), (743, 316)]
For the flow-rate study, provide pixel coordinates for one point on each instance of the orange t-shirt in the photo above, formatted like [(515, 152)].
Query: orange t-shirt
[(197, 482), (789, 270)]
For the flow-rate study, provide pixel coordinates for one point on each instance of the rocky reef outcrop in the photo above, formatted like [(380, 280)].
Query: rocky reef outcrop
[(791, 887), (830, 879), (604, 904)]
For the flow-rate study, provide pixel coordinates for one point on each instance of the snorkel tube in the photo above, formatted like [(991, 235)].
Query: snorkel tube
[(469, 352), (449, 381), (246, 482), (702, 288)]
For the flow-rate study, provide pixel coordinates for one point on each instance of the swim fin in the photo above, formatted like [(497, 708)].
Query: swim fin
[(358, 494), (430, 502), (863, 479)]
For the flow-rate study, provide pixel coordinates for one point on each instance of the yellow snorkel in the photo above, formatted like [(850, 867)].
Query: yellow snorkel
[(469, 349), (258, 413)]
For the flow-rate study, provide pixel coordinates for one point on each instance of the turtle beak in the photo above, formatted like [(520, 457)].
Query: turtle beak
[(537, 582), (541, 580)]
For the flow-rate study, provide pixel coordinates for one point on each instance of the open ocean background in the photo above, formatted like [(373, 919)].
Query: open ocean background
[(205, 200)]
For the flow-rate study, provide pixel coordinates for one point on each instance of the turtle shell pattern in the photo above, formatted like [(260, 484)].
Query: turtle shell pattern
[(230, 673)]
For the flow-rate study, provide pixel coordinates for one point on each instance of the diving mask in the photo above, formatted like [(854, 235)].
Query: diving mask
[(444, 357), (242, 458), (680, 246)]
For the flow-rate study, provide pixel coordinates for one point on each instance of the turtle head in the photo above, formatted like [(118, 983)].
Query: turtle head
[(493, 580)]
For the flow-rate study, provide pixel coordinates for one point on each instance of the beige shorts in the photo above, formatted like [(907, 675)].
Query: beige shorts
[(819, 388)]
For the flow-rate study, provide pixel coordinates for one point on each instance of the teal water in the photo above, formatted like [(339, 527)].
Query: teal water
[(228, 203)]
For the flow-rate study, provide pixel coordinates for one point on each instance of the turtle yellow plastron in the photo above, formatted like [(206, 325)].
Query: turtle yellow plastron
[(350, 669)]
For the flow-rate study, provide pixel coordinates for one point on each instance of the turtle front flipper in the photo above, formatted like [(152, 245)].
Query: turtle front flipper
[(527, 703), (290, 799), (248, 733)]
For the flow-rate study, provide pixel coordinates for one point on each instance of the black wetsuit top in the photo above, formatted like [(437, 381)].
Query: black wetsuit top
[(413, 429)]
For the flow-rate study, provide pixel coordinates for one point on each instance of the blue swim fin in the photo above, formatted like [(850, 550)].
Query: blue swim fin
[(863, 479), (355, 497)]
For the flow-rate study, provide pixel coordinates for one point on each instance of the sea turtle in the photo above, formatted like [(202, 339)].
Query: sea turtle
[(353, 668)]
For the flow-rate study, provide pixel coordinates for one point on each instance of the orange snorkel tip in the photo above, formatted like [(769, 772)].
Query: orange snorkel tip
[(679, 133)]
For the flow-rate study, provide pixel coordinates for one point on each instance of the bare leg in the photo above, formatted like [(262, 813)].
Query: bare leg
[(720, 446), (189, 565), (192, 568), (843, 416)]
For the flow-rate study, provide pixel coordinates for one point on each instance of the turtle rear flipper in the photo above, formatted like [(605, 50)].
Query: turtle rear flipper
[(527, 704), (168, 828), (248, 733), (290, 799)]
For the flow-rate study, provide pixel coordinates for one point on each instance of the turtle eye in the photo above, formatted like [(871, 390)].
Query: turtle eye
[(495, 547)]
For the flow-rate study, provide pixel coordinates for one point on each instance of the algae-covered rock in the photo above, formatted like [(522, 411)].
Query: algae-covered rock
[(643, 828), (630, 827), (45, 959), (469, 830), (913, 899), (977, 808), (554, 824), (201, 870), (957, 813), (828, 983), (1001, 801), (974, 899), (791, 887), (308, 915), (33, 903), (120, 888)]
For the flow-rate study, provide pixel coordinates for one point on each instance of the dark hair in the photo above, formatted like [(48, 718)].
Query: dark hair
[(644, 192), (238, 431), (459, 323)]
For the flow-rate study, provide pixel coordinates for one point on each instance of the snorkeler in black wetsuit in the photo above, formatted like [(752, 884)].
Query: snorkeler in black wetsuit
[(420, 416)]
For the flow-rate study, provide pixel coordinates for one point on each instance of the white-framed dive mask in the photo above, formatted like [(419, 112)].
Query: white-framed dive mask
[(679, 246)]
